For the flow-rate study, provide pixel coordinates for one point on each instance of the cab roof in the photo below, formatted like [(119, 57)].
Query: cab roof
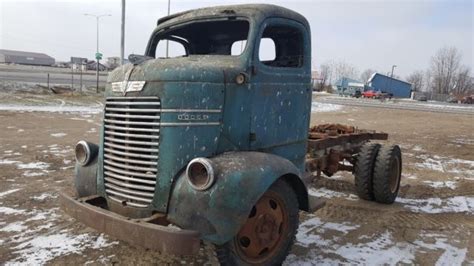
[(256, 11)]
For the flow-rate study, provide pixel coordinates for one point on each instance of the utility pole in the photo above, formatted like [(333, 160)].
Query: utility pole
[(122, 36), (391, 77), (98, 55), (167, 43)]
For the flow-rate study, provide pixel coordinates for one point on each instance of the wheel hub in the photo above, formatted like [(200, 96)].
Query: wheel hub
[(264, 230)]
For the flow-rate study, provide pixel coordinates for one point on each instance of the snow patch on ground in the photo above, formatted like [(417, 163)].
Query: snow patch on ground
[(9, 211), (7, 161), (44, 196), (58, 135), (35, 165), (438, 205), (317, 107), (14, 227), (442, 184), (446, 165), (2, 194), (54, 109), (327, 193)]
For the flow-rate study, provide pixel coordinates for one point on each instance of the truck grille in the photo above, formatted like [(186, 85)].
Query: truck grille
[(131, 140)]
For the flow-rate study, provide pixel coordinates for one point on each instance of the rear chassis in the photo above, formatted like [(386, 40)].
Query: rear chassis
[(334, 147), (331, 148)]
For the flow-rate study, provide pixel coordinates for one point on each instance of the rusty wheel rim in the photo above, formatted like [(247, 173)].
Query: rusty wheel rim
[(263, 233), (394, 175)]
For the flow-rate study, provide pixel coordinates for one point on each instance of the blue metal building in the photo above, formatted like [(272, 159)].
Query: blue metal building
[(398, 88)]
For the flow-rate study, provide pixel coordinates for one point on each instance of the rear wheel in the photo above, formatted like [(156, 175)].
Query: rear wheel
[(387, 174), (269, 232), (364, 170)]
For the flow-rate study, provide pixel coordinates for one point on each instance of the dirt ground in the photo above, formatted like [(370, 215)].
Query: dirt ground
[(432, 221)]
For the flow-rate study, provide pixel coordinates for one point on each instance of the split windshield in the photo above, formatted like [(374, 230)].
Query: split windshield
[(218, 37)]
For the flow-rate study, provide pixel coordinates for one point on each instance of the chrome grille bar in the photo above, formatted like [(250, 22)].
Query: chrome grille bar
[(131, 135), (131, 167), (131, 141), (131, 147), (132, 116), (125, 160), (131, 179), (132, 128), (131, 154), (130, 122), (131, 110)]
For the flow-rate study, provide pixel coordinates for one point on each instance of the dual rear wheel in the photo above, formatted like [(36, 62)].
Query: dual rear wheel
[(378, 172)]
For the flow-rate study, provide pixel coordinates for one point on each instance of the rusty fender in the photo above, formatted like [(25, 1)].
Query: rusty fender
[(241, 179)]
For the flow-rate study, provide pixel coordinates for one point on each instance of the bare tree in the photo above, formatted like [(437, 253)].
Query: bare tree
[(324, 76), (416, 79), (364, 77), (444, 69), (464, 83), (343, 69)]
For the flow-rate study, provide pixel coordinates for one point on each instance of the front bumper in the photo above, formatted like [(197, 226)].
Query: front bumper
[(141, 232)]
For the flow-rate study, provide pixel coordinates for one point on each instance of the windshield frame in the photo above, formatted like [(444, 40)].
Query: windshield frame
[(159, 32)]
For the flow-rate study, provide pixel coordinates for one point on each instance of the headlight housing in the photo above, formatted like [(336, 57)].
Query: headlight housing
[(200, 173), (85, 152)]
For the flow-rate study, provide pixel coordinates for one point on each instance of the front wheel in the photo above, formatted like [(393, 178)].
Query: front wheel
[(269, 232)]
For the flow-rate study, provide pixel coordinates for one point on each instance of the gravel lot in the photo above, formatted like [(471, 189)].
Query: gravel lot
[(432, 222)]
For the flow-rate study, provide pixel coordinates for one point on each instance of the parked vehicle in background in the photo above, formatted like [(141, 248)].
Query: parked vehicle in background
[(384, 95), (422, 98), (356, 94), (370, 94), (452, 99), (468, 99)]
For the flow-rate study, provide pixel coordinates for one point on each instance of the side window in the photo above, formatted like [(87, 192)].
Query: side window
[(282, 46), (238, 47), (267, 50), (175, 49)]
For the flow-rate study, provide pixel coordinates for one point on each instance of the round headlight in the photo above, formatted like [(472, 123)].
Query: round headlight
[(83, 152), (200, 173)]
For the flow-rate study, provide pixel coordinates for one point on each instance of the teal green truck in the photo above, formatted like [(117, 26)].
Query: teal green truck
[(214, 144)]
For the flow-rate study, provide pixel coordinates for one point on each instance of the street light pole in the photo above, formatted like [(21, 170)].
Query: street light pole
[(391, 77), (393, 67), (122, 35), (167, 43), (97, 17)]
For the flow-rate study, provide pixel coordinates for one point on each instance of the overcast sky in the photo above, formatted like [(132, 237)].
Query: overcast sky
[(367, 34)]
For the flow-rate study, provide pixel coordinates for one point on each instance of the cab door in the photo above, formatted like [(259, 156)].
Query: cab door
[(281, 88)]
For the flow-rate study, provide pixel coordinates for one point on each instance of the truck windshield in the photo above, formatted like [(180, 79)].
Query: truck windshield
[(220, 37)]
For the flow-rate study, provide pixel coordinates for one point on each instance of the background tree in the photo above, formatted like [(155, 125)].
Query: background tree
[(444, 69), (416, 79), (364, 77), (324, 76), (343, 69)]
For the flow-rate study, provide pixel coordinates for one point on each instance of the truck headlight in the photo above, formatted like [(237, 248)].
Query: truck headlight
[(200, 173), (85, 152)]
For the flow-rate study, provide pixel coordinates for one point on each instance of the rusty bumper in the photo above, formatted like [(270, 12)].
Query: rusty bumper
[(140, 232)]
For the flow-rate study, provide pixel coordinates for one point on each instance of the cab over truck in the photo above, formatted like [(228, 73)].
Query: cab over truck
[(214, 145)]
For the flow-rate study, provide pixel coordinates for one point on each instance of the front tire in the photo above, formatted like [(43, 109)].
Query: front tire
[(269, 232), (387, 174)]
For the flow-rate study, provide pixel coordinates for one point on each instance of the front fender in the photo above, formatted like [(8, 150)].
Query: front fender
[(219, 212)]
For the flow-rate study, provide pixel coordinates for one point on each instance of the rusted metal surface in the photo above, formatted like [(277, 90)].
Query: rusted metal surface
[(332, 147), (267, 225), (141, 232)]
